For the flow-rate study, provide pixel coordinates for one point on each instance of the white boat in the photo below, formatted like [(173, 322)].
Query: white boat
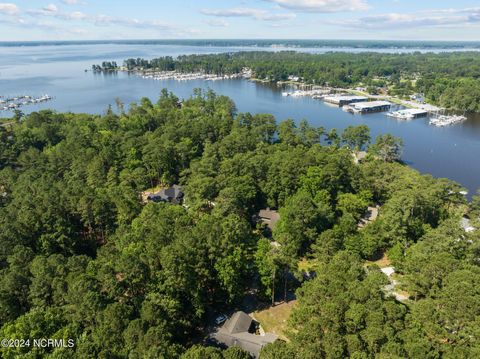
[(408, 114), (12, 103), (444, 120)]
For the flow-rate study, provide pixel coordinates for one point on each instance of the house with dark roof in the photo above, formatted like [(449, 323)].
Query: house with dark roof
[(239, 331), (173, 194)]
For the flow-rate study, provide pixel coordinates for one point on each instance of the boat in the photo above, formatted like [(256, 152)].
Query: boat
[(445, 120), (408, 114), (11, 103)]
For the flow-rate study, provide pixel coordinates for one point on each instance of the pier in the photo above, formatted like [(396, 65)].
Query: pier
[(16, 102), (181, 76), (408, 114), (316, 94), (444, 120)]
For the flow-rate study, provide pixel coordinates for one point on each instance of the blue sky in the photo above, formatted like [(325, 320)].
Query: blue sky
[(285, 19)]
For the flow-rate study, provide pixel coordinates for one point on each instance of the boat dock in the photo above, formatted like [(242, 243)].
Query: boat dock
[(316, 94), (342, 100), (408, 114), (368, 107), (13, 103), (444, 120)]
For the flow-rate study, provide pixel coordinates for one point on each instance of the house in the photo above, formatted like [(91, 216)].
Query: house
[(173, 194), (359, 156), (239, 331), (269, 217), (370, 215), (418, 97), (466, 225)]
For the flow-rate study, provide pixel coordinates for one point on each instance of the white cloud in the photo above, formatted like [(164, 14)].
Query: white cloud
[(8, 9), (257, 14), (43, 26), (74, 2), (53, 11), (52, 8), (434, 18), (104, 20), (98, 20), (324, 6), (54, 19), (218, 23)]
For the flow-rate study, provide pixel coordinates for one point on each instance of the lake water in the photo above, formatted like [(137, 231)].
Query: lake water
[(451, 152)]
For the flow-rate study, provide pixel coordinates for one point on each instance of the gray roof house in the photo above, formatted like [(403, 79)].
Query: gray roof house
[(370, 215), (268, 216), (173, 194), (238, 331)]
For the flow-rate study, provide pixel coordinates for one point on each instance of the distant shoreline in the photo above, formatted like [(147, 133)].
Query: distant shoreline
[(271, 43)]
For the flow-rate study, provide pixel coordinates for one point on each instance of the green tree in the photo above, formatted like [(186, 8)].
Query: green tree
[(388, 148), (356, 137)]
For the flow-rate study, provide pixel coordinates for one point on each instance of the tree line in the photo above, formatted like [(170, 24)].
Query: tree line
[(447, 79)]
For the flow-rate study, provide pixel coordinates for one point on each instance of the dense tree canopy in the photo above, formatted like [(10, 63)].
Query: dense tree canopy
[(83, 257)]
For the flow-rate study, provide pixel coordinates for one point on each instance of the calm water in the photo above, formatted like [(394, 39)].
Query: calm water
[(452, 152)]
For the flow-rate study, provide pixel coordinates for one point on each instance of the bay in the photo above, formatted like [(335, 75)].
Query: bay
[(59, 70)]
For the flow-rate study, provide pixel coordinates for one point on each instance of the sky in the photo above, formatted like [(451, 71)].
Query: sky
[(28, 20)]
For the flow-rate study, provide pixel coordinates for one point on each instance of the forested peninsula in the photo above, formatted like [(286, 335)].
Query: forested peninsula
[(84, 256), (449, 80)]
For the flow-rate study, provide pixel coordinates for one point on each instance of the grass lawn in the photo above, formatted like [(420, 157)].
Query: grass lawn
[(306, 265), (274, 319), (382, 262)]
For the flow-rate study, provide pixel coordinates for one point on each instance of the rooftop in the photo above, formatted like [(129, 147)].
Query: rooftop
[(239, 322), (370, 216), (466, 225), (236, 332), (371, 104), (359, 156), (413, 111), (268, 216), (346, 97), (173, 194)]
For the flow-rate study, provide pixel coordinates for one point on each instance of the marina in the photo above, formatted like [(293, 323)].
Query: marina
[(408, 114), (445, 120), (59, 71), (368, 107), (316, 93), (16, 102), (182, 76)]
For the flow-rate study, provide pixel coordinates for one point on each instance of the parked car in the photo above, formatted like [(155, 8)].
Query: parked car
[(220, 319)]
